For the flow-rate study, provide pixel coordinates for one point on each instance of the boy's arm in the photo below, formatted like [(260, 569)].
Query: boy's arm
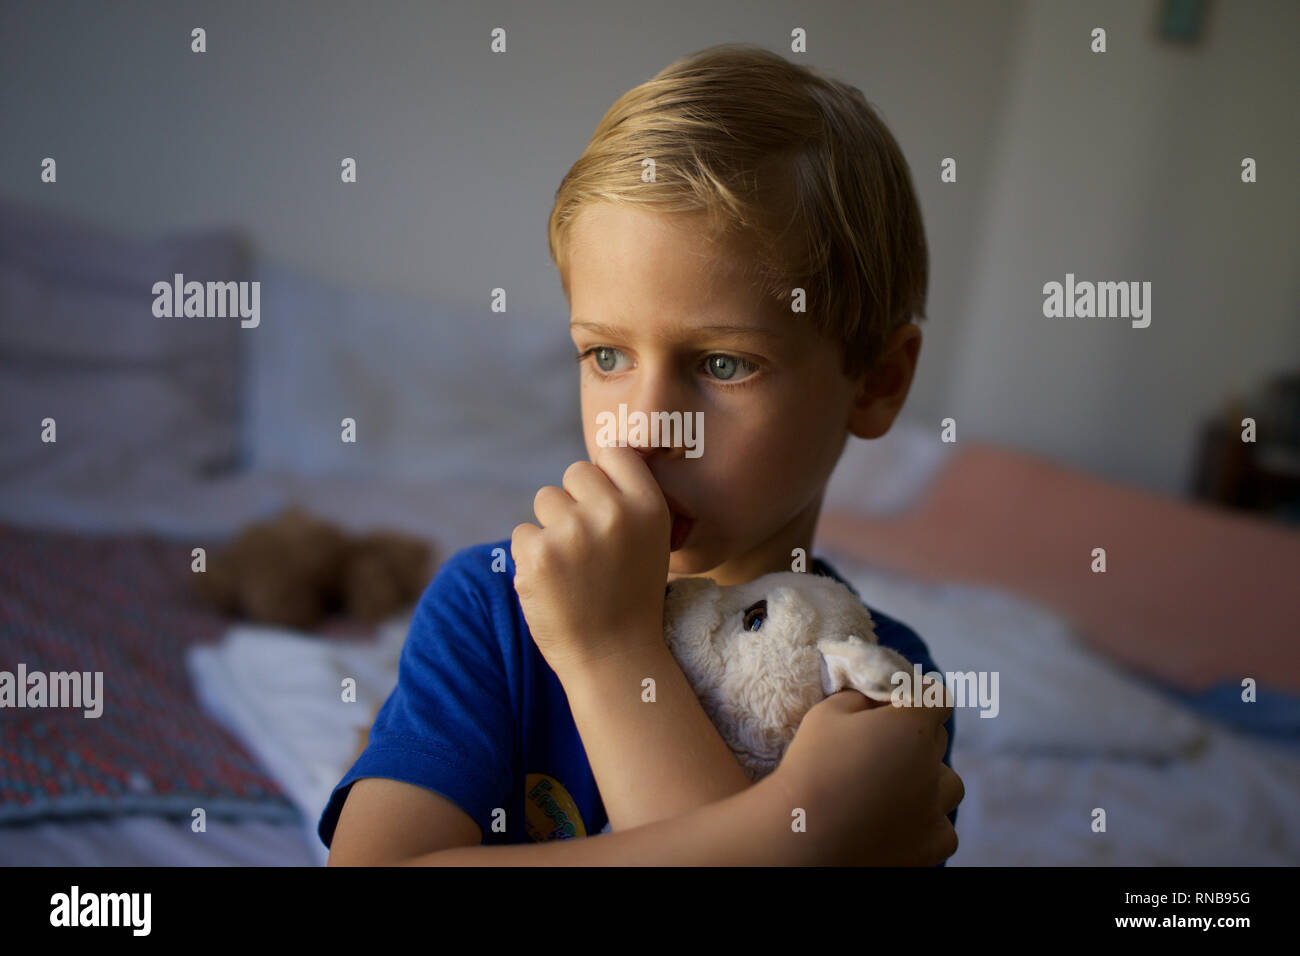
[(652, 760), (590, 582), (749, 828)]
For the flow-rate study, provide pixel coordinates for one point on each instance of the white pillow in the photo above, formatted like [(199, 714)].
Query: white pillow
[(276, 690), (437, 391), (136, 399), (1055, 696)]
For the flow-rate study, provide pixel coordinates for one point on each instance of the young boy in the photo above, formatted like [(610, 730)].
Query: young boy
[(739, 243)]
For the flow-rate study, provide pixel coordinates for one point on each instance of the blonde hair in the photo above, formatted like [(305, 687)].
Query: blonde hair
[(794, 171)]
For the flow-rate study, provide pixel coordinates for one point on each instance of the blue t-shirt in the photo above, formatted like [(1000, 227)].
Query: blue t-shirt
[(479, 716)]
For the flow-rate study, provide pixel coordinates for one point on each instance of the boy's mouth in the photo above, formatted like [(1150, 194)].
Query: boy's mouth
[(682, 523)]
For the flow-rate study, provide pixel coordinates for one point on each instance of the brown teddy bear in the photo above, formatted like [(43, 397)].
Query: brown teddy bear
[(293, 570)]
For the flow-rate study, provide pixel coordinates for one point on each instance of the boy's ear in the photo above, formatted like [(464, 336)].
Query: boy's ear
[(882, 391)]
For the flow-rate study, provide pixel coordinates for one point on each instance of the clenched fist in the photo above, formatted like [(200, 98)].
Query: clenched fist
[(591, 578)]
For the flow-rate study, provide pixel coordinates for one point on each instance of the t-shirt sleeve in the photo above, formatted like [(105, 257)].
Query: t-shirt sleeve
[(448, 726)]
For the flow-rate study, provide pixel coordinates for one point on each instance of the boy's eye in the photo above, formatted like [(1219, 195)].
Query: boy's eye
[(603, 355), (724, 366), (755, 615)]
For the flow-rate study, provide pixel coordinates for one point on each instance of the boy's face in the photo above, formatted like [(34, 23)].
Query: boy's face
[(644, 289)]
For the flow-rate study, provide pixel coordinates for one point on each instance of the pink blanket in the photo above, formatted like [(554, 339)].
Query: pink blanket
[(1192, 595)]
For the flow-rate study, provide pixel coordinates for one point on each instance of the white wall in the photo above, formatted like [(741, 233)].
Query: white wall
[(1126, 166), (1115, 166), (460, 151)]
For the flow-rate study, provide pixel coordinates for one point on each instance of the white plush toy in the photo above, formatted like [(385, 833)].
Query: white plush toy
[(759, 655)]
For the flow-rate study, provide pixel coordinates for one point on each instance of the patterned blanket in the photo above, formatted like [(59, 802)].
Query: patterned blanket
[(122, 607)]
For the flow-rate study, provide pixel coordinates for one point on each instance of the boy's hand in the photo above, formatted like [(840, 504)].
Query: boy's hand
[(871, 780), (591, 578)]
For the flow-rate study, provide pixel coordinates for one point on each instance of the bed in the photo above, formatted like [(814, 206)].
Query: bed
[(1119, 691), (120, 790)]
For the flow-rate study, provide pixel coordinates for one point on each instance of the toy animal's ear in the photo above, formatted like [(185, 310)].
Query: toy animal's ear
[(862, 666)]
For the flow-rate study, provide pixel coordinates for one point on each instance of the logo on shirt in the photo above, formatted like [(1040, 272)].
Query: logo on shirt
[(550, 813)]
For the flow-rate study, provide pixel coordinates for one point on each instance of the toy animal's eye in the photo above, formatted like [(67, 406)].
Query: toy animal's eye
[(755, 615)]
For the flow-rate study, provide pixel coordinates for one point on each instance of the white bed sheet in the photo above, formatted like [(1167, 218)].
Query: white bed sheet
[(1233, 805), (154, 841)]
